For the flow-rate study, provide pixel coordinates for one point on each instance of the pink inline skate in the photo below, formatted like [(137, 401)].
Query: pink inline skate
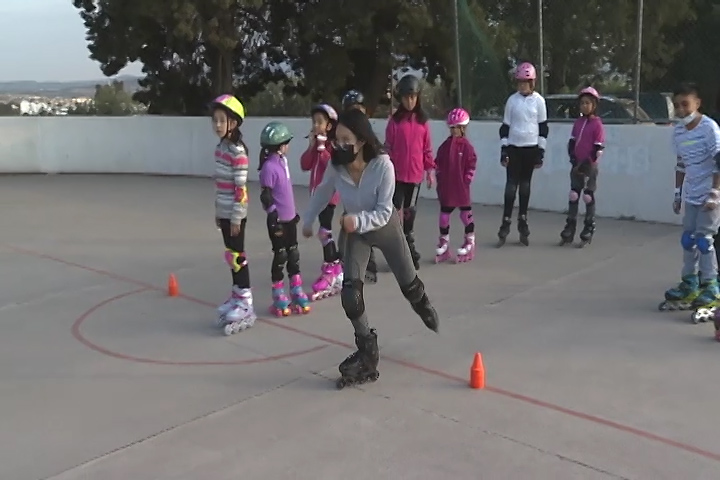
[(300, 301), (467, 252), (281, 302), (442, 252), (329, 283)]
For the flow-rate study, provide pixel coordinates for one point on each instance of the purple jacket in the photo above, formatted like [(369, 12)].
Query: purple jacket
[(276, 176), (589, 136)]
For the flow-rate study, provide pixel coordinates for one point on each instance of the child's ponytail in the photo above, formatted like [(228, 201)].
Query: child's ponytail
[(236, 137), (265, 153)]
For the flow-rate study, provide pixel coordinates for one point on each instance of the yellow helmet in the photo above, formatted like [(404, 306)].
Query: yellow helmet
[(231, 104)]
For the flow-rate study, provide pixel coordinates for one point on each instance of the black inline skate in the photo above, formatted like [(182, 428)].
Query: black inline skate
[(361, 366), (587, 233), (504, 231), (567, 236), (420, 303), (523, 230)]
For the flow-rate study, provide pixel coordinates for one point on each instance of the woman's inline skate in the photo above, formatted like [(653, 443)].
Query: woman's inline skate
[(706, 303), (300, 303), (361, 366), (467, 252), (281, 302), (442, 252), (330, 281), (682, 296)]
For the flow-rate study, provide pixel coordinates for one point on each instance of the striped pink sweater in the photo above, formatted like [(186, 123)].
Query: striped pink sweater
[(231, 172)]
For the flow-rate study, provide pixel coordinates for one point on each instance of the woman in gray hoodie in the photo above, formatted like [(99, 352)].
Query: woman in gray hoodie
[(362, 173)]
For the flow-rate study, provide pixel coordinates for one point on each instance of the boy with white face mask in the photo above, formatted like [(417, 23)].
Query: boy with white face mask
[(696, 139)]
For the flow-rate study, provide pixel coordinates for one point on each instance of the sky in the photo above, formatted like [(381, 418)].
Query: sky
[(44, 40)]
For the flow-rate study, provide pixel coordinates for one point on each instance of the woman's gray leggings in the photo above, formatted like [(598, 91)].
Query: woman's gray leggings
[(390, 240)]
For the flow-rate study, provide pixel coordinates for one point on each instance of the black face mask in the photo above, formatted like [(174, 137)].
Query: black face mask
[(343, 155)]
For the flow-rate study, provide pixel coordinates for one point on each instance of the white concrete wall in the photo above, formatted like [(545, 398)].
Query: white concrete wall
[(636, 172)]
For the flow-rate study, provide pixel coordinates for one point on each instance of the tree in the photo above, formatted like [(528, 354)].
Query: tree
[(189, 48), (586, 39), (699, 59), (334, 45)]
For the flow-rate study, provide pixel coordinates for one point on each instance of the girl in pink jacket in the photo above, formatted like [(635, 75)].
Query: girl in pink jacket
[(455, 168), (315, 160), (586, 145), (407, 140)]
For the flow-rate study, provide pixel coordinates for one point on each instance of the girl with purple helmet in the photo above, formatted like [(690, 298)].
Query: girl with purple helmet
[(455, 169), (523, 138), (586, 145)]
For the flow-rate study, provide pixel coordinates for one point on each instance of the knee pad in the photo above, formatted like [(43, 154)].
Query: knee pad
[(705, 244), (280, 258), (236, 260), (415, 291), (588, 197), (351, 298), (466, 217), (687, 240), (293, 255), (444, 220), (325, 236), (574, 196)]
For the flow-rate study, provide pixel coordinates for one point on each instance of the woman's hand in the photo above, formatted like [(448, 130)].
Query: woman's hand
[(347, 223), (235, 229), (217, 222), (307, 231)]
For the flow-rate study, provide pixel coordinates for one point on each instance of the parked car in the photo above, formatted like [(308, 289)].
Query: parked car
[(658, 105), (610, 109)]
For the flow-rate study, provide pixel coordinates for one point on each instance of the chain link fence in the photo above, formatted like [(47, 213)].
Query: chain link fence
[(634, 54)]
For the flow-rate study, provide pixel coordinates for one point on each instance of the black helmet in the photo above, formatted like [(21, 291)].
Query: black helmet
[(408, 85), (352, 97)]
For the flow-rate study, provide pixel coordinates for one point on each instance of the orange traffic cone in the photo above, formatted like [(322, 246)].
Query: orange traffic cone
[(477, 373), (173, 289)]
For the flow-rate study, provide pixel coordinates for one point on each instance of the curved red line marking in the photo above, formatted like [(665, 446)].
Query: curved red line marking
[(413, 366), (77, 333)]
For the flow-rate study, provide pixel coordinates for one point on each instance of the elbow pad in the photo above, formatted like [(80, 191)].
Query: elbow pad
[(571, 148), (266, 198), (680, 166), (543, 129), (597, 151), (504, 131)]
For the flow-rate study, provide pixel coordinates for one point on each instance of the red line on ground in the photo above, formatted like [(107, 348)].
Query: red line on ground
[(77, 333), (413, 366)]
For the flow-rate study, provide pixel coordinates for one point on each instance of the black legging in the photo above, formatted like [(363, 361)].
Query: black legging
[(519, 171)]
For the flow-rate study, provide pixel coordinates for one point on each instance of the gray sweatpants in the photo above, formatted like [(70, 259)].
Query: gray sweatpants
[(390, 240), (702, 224)]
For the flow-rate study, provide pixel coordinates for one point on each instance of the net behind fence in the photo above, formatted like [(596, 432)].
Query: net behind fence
[(590, 43)]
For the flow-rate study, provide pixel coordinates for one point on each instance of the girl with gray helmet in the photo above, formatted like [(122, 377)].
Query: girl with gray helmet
[(365, 179), (278, 200)]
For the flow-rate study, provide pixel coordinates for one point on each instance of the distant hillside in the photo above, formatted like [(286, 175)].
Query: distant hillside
[(64, 89)]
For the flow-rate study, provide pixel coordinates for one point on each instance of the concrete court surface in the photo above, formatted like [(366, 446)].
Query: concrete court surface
[(102, 376)]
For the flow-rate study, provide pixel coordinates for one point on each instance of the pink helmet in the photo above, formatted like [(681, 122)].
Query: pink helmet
[(458, 118), (525, 71), (589, 91)]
